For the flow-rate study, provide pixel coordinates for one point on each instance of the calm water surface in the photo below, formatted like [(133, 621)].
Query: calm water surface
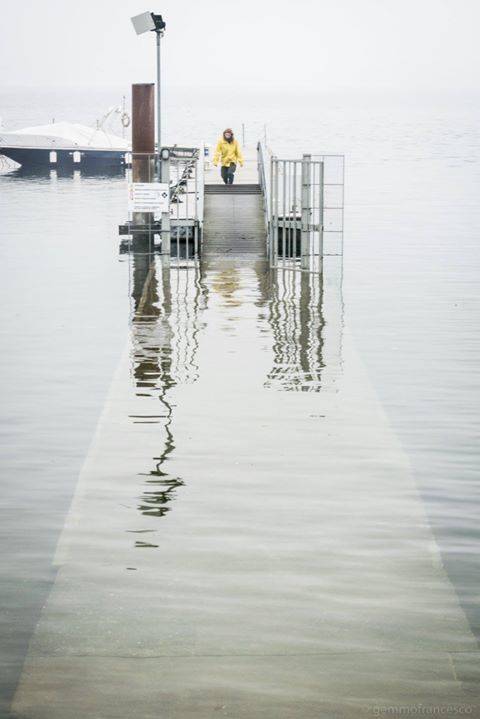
[(288, 448)]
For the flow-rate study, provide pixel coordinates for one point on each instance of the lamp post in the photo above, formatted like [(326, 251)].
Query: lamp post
[(150, 22)]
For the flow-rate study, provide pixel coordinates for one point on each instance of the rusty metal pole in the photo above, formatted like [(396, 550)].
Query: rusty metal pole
[(143, 152), (143, 131)]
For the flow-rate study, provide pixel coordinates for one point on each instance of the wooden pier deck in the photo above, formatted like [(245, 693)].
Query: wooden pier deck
[(233, 215)]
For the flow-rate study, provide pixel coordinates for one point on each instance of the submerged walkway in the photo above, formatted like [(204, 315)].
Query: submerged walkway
[(246, 538)]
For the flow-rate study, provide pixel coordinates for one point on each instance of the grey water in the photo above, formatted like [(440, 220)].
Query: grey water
[(227, 354)]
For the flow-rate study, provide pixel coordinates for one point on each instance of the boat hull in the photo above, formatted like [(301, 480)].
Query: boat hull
[(31, 158)]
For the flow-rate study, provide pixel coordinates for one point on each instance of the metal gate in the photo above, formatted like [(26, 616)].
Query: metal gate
[(177, 234), (303, 208)]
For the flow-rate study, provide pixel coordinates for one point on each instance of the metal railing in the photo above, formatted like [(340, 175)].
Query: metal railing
[(264, 157), (303, 205), (180, 230), (186, 204), (333, 202)]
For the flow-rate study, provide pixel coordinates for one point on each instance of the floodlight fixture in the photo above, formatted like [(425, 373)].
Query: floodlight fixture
[(160, 23), (151, 22), (143, 22)]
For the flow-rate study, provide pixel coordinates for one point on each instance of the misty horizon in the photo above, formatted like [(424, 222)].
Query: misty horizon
[(343, 47)]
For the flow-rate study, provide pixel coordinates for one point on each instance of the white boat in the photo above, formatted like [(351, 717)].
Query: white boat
[(65, 144)]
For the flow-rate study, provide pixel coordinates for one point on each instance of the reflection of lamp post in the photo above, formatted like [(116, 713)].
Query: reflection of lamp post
[(149, 22)]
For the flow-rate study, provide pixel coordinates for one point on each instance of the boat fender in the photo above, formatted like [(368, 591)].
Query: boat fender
[(125, 119)]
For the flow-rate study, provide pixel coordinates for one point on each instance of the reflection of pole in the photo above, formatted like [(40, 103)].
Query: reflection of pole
[(153, 377), (143, 284), (306, 327)]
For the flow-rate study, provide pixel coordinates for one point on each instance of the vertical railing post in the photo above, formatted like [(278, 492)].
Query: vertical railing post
[(306, 233), (200, 197), (166, 237), (321, 185), (270, 213), (284, 211), (265, 184), (196, 168), (274, 212), (293, 209)]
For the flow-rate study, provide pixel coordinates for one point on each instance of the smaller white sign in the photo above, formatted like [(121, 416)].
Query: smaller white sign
[(148, 197)]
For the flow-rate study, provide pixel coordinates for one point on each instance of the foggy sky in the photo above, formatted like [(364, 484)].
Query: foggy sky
[(321, 44)]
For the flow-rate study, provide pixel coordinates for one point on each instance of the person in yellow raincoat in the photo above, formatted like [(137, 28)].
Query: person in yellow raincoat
[(228, 153)]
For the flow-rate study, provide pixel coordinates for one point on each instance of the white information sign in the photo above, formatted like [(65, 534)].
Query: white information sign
[(148, 197)]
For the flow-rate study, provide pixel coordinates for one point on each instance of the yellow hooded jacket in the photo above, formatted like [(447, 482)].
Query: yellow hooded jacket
[(227, 153)]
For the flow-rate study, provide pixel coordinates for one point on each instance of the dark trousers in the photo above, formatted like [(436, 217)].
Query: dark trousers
[(227, 173)]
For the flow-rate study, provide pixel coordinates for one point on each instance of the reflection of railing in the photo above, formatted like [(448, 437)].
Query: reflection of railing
[(305, 313), (303, 205)]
